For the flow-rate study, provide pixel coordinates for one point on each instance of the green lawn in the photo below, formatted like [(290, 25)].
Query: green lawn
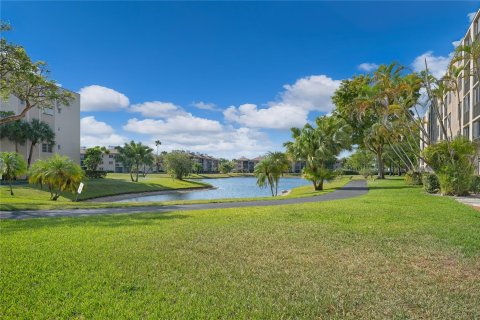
[(395, 253)]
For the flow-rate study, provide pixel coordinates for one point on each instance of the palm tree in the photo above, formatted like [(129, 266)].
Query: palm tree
[(59, 173), (38, 132), (134, 155), (279, 165), (12, 165), (319, 146), (264, 174), (157, 144), (15, 131)]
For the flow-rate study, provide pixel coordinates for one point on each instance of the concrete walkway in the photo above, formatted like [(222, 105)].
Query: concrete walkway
[(352, 189)]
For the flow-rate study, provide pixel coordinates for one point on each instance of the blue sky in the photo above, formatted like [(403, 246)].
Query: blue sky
[(224, 78)]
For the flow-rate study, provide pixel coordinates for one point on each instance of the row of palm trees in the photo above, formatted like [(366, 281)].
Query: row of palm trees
[(21, 131), (57, 173)]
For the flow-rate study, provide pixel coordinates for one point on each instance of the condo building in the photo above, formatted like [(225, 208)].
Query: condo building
[(460, 113), (63, 120)]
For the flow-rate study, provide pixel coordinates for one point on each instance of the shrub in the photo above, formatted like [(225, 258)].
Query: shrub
[(58, 173), (413, 178), (347, 172), (452, 161), (178, 164), (95, 174), (475, 187), (430, 183)]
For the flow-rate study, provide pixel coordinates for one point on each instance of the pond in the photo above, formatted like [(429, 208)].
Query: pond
[(238, 187)]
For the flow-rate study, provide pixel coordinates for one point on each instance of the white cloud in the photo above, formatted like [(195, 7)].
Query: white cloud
[(205, 106), (157, 109), (201, 135), (98, 133), (437, 65), (456, 43), (98, 98), (280, 116), (176, 124), (471, 16), (307, 94), (367, 66)]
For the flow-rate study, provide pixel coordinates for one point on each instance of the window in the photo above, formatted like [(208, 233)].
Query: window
[(59, 110), (46, 148), (48, 111), (476, 130), (110, 162), (59, 146), (110, 156), (466, 132)]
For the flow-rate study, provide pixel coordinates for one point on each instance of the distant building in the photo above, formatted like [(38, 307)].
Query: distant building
[(109, 162), (245, 165), (63, 120), (209, 164)]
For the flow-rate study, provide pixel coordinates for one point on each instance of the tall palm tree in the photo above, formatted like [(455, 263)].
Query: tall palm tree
[(263, 172), (38, 132), (318, 147), (279, 165), (157, 144), (12, 165)]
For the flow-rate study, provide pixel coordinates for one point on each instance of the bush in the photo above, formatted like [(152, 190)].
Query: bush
[(178, 164), (431, 183), (413, 178), (475, 186), (95, 174), (453, 163)]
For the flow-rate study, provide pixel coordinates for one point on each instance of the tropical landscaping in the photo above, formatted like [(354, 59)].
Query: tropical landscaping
[(393, 253), (396, 245)]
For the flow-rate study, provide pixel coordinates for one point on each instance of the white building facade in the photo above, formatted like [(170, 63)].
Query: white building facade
[(63, 120)]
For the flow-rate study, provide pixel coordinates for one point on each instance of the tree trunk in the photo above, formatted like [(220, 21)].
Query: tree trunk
[(136, 176), (29, 161), (11, 189), (16, 147), (131, 176), (380, 167)]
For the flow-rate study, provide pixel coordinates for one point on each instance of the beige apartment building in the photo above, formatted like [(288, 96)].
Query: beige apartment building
[(460, 114), (64, 121)]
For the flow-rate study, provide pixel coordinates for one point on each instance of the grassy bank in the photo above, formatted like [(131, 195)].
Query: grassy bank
[(32, 198), (394, 253)]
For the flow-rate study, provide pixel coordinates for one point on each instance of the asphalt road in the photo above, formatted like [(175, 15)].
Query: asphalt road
[(352, 189)]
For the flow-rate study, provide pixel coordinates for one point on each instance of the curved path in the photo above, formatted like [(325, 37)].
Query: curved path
[(352, 189)]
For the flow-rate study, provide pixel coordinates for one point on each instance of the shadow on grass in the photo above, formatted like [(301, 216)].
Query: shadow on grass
[(103, 221), (391, 187)]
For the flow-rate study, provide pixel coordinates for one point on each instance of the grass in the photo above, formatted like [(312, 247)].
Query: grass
[(395, 253), (32, 198)]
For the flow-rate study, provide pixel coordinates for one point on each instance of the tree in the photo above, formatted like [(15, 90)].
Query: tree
[(318, 147), (196, 167), (27, 80), (178, 164), (362, 161), (226, 166), (12, 165), (133, 155), (93, 157), (264, 174), (59, 173), (15, 131), (280, 165), (158, 143), (269, 170), (38, 132)]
